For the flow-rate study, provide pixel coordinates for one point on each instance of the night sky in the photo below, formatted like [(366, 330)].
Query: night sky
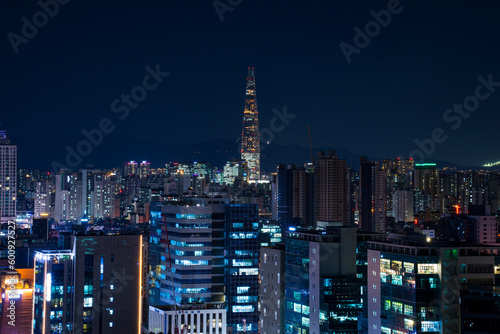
[(395, 90)]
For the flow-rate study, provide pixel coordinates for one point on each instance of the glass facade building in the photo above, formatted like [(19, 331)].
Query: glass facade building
[(53, 292), (242, 271)]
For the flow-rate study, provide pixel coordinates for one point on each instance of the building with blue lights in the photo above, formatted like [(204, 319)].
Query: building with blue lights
[(418, 287), (187, 252), (52, 294), (322, 293), (242, 271)]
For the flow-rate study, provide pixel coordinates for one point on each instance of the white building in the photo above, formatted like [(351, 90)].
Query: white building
[(190, 321), (8, 178), (486, 229), (43, 190)]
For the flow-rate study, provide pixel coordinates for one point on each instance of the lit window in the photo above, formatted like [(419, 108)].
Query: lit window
[(111, 286), (427, 268), (111, 299), (87, 302), (110, 311), (111, 324)]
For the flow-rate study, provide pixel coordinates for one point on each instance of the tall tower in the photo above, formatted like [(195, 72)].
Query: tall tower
[(331, 188), (372, 199), (8, 178), (250, 137)]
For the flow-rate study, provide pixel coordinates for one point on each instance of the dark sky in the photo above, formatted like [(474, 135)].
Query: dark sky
[(394, 91)]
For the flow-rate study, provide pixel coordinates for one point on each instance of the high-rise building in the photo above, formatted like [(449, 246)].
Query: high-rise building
[(322, 292), (8, 178), (399, 175), (96, 287), (372, 199), (294, 199), (250, 136), (43, 198), (331, 188), (426, 184), (242, 273), (422, 287), (187, 252), (52, 295), (144, 169), (272, 290), (68, 201), (108, 283), (402, 205)]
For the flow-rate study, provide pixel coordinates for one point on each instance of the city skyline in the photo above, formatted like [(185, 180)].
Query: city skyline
[(360, 195), (399, 86)]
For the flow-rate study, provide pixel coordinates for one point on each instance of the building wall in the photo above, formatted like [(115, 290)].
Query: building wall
[(206, 321), (242, 274), (272, 290), (331, 188), (486, 229), (108, 280), (8, 182)]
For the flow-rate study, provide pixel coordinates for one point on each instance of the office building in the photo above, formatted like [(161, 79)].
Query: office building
[(53, 301), (331, 188), (272, 289), (322, 292), (372, 199), (107, 283), (242, 272), (421, 287), (8, 178)]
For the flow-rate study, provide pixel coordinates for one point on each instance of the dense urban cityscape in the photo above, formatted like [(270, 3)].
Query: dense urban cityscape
[(260, 167), (384, 247)]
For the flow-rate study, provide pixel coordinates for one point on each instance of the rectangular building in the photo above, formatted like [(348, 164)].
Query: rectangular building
[(8, 179), (188, 320)]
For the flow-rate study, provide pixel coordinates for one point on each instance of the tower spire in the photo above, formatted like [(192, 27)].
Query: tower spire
[(250, 136)]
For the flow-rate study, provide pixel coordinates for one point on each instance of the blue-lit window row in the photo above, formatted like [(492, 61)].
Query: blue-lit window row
[(245, 299), (191, 272), (186, 244), (192, 262), (243, 252), (241, 235), (243, 308), (188, 253), (188, 216), (186, 225)]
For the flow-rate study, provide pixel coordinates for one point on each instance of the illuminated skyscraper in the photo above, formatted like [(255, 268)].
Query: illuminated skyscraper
[(8, 178), (250, 137)]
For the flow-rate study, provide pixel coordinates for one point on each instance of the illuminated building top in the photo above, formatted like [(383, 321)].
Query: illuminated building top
[(250, 137)]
